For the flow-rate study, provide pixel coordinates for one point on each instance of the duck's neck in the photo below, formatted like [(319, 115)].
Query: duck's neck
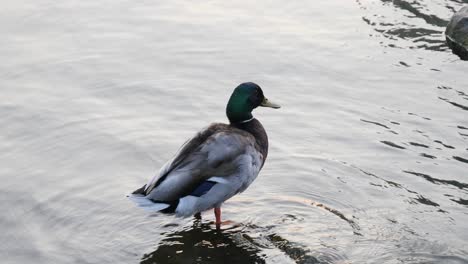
[(254, 127)]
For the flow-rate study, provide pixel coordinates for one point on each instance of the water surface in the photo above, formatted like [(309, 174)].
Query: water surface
[(369, 155)]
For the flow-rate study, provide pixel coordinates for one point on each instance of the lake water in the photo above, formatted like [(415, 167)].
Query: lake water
[(368, 156)]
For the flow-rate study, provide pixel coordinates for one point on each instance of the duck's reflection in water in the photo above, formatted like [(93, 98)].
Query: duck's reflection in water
[(203, 243)]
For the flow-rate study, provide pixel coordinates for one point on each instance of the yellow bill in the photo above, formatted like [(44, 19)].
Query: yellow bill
[(268, 103)]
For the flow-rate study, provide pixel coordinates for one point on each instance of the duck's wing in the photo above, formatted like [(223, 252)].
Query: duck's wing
[(213, 155), (187, 148)]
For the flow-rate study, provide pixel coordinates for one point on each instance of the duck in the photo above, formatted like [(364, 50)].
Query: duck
[(220, 161)]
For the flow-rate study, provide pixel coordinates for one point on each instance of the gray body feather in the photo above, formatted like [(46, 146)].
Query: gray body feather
[(230, 156)]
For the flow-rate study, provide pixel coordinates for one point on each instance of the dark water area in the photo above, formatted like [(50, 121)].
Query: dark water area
[(368, 158)]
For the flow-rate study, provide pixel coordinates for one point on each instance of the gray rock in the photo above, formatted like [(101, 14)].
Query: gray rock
[(456, 33)]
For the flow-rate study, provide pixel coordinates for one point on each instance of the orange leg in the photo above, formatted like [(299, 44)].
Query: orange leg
[(217, 212)]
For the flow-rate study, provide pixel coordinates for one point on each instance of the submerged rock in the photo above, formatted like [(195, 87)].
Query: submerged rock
[(456, 33)]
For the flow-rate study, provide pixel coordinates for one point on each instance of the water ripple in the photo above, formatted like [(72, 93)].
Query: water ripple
[(459, 185), (399, 22)]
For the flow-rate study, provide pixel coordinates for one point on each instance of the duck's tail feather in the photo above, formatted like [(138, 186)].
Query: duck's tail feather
[(148, 204), (141, 190)]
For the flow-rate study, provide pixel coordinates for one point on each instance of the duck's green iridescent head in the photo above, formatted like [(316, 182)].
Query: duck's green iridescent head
[(245, 98)]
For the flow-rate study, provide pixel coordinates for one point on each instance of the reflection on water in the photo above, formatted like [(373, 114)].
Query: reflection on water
[(202, 243)]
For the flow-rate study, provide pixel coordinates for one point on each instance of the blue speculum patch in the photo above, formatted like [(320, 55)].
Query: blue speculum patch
[(203, 188)]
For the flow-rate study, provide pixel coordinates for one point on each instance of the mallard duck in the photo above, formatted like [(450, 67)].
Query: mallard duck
[(218, 162)]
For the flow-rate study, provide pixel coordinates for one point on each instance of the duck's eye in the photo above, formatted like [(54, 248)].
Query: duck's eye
[(258, 94)]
